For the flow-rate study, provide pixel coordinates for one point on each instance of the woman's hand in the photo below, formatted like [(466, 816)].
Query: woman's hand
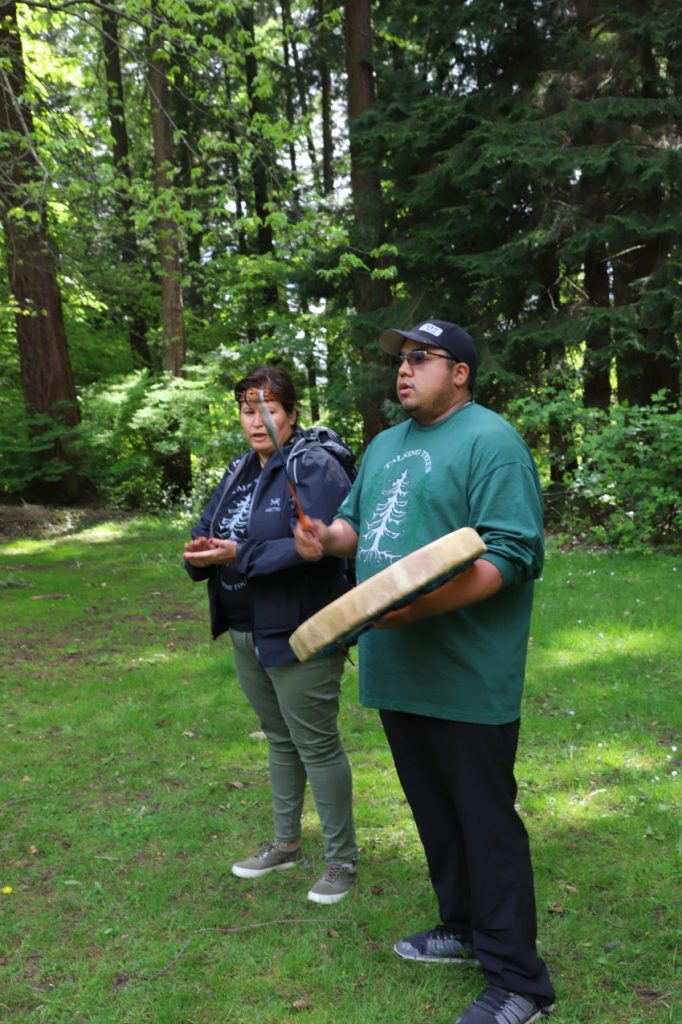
[(204, 551)]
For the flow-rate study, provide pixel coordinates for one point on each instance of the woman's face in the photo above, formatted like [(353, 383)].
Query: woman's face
[(254, 427)]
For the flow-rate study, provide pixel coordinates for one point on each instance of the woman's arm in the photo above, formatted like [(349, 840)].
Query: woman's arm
[(321, 489), (201, 554)]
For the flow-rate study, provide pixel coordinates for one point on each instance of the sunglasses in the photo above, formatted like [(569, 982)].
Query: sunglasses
[(418, 356)]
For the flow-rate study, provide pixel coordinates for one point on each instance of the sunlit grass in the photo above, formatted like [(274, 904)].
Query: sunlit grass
[(133, 776)]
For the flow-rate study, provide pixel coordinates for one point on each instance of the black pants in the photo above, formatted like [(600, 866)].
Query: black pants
[(459, 781)]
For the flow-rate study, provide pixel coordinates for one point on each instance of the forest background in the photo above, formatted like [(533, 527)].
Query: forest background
[(188, 189)]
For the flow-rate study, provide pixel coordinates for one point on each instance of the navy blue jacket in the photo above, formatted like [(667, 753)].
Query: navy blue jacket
[(282, 588)]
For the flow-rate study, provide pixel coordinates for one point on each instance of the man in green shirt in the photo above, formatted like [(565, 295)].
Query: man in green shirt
[(446, 672)]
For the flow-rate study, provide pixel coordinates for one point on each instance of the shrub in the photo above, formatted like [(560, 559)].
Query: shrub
[(130, 426), (626, 489)]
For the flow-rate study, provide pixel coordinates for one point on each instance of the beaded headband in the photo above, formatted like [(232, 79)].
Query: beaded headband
[(252, 395)]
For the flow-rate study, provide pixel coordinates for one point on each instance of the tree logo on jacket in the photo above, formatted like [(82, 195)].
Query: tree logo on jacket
[(233, 525)]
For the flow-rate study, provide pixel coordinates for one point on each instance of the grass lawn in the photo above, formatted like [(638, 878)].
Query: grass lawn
[(133, 776)]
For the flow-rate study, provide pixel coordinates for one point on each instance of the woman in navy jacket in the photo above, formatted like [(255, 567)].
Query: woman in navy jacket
[(261, 590)]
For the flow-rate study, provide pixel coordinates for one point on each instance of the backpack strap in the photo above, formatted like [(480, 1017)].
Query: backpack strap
[(323, 437)]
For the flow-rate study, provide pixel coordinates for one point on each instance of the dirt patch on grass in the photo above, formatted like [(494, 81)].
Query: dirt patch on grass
[(40, 521)]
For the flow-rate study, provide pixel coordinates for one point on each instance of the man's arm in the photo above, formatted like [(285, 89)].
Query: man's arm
[(338, 539), (479, 581)]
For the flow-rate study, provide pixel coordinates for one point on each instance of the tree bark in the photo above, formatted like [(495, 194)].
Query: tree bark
[(260, 163), (127, 242), (597, 364), (262, 157), (326, 107), (370, 294), (187, 115), (46, 377), (290, 42), (562, 455), (288, 85), (172, 307), (651, 361), (647, 362), (236, 171), (175, 464)]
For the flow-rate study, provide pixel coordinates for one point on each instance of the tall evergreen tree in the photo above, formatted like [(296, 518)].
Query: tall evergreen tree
[(46, 376), (371, 291), (128, 246), (521, 136)]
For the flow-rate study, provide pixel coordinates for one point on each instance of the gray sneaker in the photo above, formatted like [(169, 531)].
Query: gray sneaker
[(497, 1006), (438, 946), (336, 882), (269, 858)]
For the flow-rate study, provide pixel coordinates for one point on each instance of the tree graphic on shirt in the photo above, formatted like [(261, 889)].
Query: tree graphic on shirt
[(233, 525), (388, 513)]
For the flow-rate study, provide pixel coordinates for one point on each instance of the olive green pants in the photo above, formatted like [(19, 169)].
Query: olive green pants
[(298, 707)]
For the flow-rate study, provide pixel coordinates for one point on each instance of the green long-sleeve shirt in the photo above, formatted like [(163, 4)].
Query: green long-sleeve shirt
[(417, 483)]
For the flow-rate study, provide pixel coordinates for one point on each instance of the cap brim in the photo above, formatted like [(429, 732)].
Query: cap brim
[(392, 340)]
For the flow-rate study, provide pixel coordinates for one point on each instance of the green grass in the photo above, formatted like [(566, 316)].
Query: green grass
[(131, 780)]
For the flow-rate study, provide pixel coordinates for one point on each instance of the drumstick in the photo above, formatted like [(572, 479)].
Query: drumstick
[(273, 434)]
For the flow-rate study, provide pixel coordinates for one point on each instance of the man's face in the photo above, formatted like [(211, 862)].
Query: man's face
[(430, 390)]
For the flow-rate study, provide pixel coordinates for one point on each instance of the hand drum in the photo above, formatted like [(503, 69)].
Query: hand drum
[(340, 623)]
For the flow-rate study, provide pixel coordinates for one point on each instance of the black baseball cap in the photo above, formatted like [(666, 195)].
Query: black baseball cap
[(439, 334)]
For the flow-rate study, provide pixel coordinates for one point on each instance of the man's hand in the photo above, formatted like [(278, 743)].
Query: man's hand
[(318, 539), (204, 551), (310, 541), (400, 617), (480, 581), (338, 539)]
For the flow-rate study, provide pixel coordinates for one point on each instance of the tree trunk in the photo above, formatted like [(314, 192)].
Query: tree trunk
[(370, 294), (46, 377), (651, 361), (597, 365), (261, 160), (175, 464), (326, 105), (290, 38), (186, 115), (311, 369), (288, 85), (127, 242), (648, 361), (172, 311), (562, 455), (235, 172), (262, 157)]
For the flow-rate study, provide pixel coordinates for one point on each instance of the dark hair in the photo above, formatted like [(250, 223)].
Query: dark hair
[(271, 379)]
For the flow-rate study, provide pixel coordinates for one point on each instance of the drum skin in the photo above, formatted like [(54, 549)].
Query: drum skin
[(340, 623)]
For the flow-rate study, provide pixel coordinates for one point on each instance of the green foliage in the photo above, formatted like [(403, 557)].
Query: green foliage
[(132, 424), (626, 490), (631, 476), (23, 441), (516, 145)]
